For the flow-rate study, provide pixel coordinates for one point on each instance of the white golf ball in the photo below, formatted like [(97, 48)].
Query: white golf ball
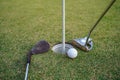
[(72, 53)]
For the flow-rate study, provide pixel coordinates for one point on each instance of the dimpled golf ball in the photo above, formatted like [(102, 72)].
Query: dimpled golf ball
[(72, 53)]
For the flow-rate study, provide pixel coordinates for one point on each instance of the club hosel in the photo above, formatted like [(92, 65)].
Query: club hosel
[(87, 38), (28, 61), (29, 57)]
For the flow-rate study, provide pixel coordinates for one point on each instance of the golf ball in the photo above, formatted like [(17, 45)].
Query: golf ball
[(72, 53)]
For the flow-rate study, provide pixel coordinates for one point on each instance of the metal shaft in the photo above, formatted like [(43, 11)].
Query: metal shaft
[(26, 74), (102, 15), (63, 25)]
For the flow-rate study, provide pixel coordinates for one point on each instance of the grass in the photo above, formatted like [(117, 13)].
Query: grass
[(25, 22)]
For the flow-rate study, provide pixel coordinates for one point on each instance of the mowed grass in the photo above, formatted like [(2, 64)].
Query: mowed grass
[(25, 22)]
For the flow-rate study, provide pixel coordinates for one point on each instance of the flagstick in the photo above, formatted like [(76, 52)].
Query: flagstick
[(63, 25)]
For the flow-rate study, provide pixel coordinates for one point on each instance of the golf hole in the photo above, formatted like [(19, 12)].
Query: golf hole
[(58, 48)]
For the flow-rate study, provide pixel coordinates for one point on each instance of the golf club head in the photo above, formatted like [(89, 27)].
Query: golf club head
[(81, 43), (41, 47)]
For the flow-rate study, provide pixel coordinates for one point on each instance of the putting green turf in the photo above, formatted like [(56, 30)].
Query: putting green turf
[(25, 22)]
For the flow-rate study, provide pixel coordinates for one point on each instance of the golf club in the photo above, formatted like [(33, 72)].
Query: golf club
[(86, 43), (41, 47)]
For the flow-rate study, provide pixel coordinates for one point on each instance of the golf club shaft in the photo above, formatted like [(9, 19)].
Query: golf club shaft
[(63, 25), (28, 63), (26, 74), (102, 15)]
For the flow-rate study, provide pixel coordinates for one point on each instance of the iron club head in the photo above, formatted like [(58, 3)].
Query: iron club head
[(39, 48), (81, 43)]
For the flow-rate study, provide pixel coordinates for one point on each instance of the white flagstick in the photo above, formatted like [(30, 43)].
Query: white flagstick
[(63, 25)]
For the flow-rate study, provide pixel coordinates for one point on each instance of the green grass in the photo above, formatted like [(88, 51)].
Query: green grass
[(25, 22)]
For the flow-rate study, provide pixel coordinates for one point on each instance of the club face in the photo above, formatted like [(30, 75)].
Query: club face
[(40, 47), (81, 43)]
